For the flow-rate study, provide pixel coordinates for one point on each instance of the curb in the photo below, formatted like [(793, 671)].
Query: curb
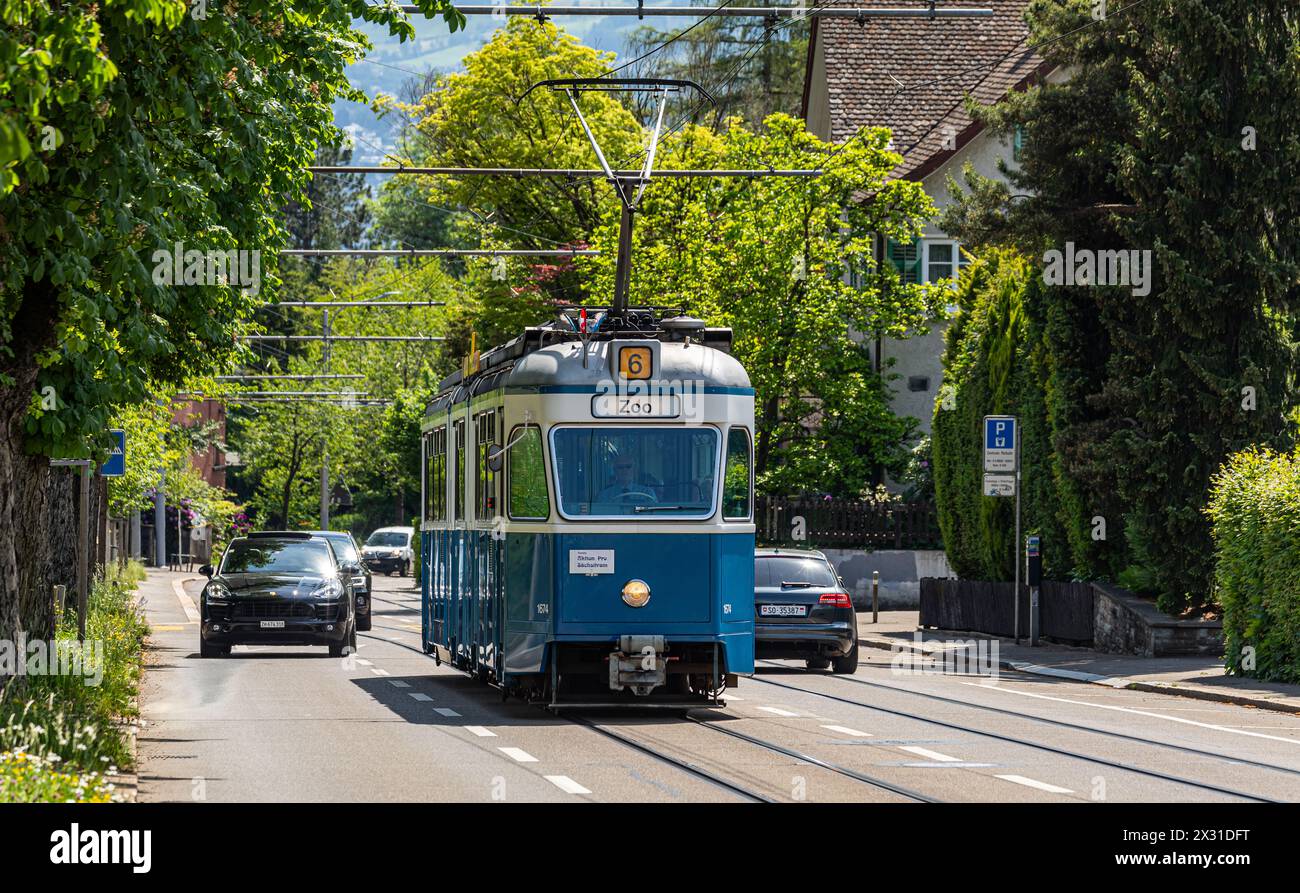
[(1120, 682)]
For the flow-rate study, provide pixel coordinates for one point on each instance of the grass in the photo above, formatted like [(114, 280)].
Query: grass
[(59, 734)]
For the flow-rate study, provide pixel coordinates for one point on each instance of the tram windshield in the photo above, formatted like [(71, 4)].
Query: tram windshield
[(640, 472)]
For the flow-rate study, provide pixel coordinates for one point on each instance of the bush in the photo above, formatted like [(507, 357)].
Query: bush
[(994, 365), (59, 732), (1255, 512)]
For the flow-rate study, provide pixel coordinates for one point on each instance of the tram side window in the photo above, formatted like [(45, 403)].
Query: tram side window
[(736, 479), (485, 494), (526, 477), (435, 481), (459, 429)]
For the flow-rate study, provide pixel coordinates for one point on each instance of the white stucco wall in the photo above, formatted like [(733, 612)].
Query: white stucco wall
[(921, 355)]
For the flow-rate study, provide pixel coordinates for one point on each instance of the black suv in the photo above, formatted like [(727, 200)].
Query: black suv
[(278, 588), (803, 611), (345, 549)]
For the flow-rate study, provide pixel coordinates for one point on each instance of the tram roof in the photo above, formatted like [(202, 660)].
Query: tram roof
[(552, 355)]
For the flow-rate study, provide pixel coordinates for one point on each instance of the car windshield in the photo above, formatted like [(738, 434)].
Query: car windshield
[(783, 570), (277, 557), (343, 547), (391, 538), (640, 472)]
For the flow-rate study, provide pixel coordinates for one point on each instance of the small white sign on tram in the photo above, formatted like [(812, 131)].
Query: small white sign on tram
[(591, 561)]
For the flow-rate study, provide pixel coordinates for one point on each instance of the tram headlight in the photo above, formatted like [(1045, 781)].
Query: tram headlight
[(636, 593)]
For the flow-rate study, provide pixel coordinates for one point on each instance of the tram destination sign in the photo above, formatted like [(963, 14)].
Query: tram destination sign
[(591, 561), (623, 404)]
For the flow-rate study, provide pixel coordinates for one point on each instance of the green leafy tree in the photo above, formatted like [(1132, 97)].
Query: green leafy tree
[(788, 264), (480, 118), (128, 127), (1173, 135)]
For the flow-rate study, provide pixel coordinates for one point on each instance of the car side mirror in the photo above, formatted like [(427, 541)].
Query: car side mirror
[(206, 570), (350, 567), (496, 457)]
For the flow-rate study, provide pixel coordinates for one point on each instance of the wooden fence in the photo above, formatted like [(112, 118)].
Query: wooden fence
[(845, 524), (1065, 609)]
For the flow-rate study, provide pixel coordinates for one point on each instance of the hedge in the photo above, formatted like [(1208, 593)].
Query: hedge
[(994, 364), (1255, 512)]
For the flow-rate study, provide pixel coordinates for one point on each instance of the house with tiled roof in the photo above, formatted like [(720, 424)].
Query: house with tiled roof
[(913, 75)]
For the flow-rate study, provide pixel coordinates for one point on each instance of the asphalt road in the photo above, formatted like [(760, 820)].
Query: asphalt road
[(286, 723)]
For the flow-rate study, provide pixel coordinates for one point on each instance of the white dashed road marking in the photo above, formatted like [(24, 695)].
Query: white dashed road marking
[(1034, 783), (566, 784), (399, 683), (378, 672), (845, 730), (481, 732), (419, 696), (777, 711), (930, 754), (363, 661), (1190, 722), (445, 711), (521, 756)]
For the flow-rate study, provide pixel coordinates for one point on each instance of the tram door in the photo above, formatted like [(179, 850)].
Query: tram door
[(489, 534), (460, 570)]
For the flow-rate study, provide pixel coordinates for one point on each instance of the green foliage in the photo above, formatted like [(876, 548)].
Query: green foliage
[(479, 118), (27, 778), (771, 258), (65, 720), (752, 67), (170, 129), (1191, 162), (1255, 512), (994, 365), (375, 450)]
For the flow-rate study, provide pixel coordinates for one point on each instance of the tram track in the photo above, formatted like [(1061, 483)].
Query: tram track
[(820, 763), (1060, 723), (1010, 739)]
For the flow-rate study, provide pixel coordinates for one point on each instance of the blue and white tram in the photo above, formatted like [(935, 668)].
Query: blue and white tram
[(588, 531)]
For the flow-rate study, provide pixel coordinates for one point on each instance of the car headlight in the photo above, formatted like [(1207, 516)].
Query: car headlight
[(216, 592), (636, 593), (360, 582), (328, 589)]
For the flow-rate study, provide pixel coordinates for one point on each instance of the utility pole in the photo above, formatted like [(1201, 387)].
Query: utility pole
[(324, 449), (160, 520)]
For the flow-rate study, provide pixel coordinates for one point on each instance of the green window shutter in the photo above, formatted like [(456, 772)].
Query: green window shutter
[(906, 259)]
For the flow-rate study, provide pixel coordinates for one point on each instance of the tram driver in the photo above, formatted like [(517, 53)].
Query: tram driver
[(625, 487)]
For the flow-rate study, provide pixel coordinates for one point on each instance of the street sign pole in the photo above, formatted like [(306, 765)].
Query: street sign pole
[(1001, 442), (1016, 560)]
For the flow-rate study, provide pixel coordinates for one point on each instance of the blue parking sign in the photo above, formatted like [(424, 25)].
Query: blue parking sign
[(999, 433), (1000, 453), (115, 466)]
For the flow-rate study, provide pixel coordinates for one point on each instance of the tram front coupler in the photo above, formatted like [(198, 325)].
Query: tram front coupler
[(641, 664)]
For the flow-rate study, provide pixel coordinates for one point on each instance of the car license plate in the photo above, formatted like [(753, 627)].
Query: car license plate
[(782, 610), (272, 624)]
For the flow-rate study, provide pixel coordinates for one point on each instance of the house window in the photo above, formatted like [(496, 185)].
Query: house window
[(1018, 143), (926, 260), (906, 259), (940, 261), (918, 383)]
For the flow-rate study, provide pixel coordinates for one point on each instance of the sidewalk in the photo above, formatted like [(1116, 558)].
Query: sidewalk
[(1192, 677)]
